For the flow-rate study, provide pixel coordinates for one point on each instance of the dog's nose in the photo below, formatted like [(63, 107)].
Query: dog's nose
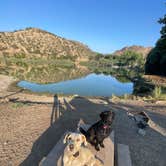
[(71, 146)]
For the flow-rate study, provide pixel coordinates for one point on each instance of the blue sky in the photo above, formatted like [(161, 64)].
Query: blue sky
[(104, 25)]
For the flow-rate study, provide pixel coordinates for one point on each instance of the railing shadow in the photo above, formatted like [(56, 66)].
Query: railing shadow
[(55, 110), (21, 90)]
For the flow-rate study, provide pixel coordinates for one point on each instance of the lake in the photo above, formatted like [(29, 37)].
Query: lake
[(90, 85)]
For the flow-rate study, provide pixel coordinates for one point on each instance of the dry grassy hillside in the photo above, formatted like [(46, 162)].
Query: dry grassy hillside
[(36, 55), (137, 49), (36, 42)]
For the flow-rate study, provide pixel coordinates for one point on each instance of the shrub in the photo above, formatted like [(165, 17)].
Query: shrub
[(156, 92), (156, 59)]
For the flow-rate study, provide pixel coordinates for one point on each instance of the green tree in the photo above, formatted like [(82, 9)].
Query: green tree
[(98, 56), (156, 59)]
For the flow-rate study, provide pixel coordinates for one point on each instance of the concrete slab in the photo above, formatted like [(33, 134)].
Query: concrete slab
[(55, 157), (124, 158)]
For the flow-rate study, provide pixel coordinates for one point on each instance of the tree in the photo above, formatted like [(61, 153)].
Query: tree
[(156, 59)]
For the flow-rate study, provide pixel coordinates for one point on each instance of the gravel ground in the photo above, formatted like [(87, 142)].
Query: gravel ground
[(29, 131), (5, 82)]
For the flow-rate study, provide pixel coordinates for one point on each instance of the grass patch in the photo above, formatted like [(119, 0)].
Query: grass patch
[(19, 105), (159, 93), (156, 92)]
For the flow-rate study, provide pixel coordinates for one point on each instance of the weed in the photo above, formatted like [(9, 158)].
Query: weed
[(18, 105)]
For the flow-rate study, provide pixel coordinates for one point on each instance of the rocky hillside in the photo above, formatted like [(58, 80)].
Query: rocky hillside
[(138, 49), (40, 43)]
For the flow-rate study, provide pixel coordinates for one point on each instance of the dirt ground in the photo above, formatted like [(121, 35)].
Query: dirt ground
[(5, 81), (29, 129)]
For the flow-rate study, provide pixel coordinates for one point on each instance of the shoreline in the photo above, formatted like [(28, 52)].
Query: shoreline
[(11, 91)]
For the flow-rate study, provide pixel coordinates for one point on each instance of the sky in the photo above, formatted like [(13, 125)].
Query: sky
[(103, 25)]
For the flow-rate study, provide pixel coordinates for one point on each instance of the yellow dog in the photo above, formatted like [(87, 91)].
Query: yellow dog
[(75, 154)]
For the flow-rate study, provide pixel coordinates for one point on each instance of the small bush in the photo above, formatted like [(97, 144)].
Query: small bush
[(157, 92), (17, 105)]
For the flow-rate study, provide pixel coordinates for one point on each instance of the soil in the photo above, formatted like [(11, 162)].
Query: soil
[(5, 81), (157, 80), (29, 127)]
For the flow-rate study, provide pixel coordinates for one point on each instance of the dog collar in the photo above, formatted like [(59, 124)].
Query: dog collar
[(76, 154), (105, 126)]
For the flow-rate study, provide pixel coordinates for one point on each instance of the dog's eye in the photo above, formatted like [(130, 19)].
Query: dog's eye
[(69, 138), (78, 140)]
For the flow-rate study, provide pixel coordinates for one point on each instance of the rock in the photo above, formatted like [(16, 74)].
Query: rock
[(141, 132), (4, 100), (5, 143), (142, 124)]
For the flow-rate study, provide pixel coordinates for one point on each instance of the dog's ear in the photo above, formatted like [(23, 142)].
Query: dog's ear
[(113, 115), (66, 137), (83, 138), (101, 115)]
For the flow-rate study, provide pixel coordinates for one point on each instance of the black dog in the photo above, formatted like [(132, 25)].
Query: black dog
[(100, 130)]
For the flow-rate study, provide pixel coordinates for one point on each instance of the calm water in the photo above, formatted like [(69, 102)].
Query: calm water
[(90, 85)]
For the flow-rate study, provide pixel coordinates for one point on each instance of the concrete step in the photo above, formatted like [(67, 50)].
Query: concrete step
[(124, 158)]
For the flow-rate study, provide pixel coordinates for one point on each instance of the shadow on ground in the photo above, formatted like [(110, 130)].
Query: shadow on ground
[(145, 150), (70, 112)]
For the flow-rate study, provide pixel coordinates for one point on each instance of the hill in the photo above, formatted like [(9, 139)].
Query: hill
[(34, 42), (137, 49), (36, 55)]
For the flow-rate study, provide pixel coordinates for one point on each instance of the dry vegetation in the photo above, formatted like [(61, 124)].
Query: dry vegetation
[(33, 42), (137, 49)]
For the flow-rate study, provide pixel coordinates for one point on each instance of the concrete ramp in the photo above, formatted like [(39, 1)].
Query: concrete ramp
[(55, 155), (124, 158), (106, 155)]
